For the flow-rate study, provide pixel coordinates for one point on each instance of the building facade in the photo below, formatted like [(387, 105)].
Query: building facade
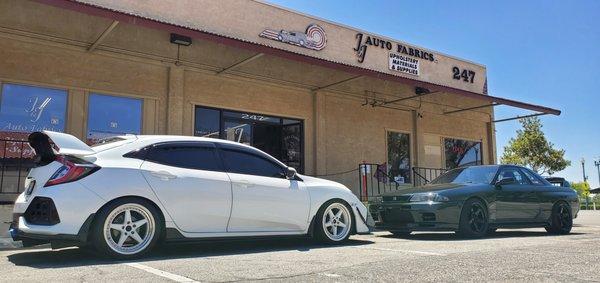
[(320, 96)]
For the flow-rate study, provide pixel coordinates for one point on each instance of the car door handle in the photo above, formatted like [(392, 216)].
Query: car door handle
[(244, 184), (163, 175)]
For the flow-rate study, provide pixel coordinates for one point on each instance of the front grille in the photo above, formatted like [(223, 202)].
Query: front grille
[(42, 211), (396, 216)]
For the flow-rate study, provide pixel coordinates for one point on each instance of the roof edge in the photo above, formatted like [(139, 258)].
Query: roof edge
[(150, 23)]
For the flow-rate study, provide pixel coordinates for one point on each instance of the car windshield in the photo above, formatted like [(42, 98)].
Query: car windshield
[(474, 175)]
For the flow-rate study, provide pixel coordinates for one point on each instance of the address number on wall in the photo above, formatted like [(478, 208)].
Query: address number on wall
[(465, 75)]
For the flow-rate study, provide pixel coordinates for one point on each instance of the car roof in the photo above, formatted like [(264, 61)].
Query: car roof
[(166, 138)]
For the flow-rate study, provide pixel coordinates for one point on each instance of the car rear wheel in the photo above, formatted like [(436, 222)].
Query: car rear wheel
[(473, 219), (561, 220), (333, 222), (127, 228)]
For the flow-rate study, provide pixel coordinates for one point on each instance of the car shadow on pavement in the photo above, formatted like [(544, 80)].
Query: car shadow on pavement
[(72, 257), (450, 236)]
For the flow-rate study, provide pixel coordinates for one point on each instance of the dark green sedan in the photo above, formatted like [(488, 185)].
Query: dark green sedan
[(475, 201)]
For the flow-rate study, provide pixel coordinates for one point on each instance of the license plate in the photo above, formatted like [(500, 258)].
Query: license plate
[(30, 187)]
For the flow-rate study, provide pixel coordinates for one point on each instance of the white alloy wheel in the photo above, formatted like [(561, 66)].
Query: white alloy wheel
[(129, 229), (336, 222)]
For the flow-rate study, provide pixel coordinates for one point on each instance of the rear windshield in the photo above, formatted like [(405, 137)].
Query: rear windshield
[(107, 141), (112, 142)]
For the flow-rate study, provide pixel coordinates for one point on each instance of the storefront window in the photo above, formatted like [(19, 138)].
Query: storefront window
[(280, 137), (207, 122), (112, 116), (26, 109), (398, 157), (462, 153)]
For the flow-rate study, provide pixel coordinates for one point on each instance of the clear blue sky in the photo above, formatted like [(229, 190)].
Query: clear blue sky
[(543, 52)]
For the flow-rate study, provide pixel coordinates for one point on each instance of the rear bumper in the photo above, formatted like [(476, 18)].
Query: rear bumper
[(57, 240), (63, 209), (416, 216)]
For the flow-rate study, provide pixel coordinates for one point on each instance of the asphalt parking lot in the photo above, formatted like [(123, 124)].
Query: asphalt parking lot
[(510, 255)]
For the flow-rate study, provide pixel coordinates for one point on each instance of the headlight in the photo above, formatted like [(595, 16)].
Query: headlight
[(428, 197)]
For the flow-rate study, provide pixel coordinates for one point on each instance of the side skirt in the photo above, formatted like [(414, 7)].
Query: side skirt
[(516, 225), (174, 236)]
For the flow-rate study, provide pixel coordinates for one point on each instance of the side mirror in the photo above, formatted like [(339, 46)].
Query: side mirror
[(291, 173), (505, 181)]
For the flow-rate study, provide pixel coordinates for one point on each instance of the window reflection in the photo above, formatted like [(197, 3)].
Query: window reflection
[(280, 137), (398, 157), (113, 116), (462, 153), (26, 109)]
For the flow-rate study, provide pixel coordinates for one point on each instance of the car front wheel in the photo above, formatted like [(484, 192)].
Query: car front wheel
[(473, 219), (333, 222), (561, 220), (127, 228)]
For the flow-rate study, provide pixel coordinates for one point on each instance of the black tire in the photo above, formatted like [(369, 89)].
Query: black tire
[(561, 220), (492, 230), (473, 219), (153, 227), (401, 234), (323, 234)]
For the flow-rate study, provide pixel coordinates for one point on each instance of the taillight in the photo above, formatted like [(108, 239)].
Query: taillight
[(70, 171)]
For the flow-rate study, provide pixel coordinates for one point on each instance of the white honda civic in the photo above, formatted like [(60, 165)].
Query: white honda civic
[(126, 194)]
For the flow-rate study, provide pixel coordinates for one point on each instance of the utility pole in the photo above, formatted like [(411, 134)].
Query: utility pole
[(584, 180)]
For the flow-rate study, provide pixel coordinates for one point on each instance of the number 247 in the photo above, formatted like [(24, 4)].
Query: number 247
[(465, 75)]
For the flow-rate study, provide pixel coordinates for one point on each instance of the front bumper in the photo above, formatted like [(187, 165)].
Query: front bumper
[(418, 216)]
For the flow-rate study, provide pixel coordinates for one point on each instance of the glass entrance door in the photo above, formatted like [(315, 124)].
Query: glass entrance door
[(280, 137)]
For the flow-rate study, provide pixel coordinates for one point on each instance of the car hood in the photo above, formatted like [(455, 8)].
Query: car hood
[(314, 182), (426, 188)]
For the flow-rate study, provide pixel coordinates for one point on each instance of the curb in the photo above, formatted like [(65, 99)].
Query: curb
[(9, 244)]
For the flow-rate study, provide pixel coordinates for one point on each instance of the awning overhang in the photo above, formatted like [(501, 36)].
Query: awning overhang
[(357, 72)]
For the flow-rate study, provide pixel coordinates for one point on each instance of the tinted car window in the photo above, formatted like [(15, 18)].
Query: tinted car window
[(186, 156), (247, 163), (474, 175), (534, 178), (513, 173)]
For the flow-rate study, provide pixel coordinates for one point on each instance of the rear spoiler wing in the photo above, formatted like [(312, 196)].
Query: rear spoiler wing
[(65, 145)]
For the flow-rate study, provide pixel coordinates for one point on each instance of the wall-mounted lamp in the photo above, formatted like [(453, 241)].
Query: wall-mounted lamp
[(421, 90), (181, 39)]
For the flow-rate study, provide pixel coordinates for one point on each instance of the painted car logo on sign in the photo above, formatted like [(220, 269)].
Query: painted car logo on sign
[(313, 38)]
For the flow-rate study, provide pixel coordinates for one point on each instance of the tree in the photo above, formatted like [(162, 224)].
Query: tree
[(582, 188), (531, 149)]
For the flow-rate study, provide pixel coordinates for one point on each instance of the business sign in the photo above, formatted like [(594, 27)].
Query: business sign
[(313, 38), (364, 41), (403, 64)]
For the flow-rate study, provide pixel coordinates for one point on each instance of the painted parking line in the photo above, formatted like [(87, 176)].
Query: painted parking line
[(401, 251), (164, 274)]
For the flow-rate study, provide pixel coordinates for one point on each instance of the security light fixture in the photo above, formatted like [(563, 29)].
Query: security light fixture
[(421, 90), (181, 39)]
